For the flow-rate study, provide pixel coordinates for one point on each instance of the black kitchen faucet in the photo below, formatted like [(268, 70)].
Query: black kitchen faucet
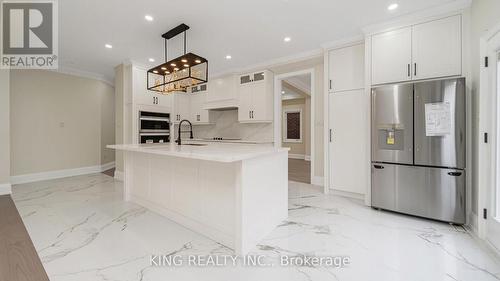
[(179, 132)]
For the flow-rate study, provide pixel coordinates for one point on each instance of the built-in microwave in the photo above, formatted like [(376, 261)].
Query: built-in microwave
[(154, 127)]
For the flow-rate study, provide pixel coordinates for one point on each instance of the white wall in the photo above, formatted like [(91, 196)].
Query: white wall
[(4, 133), (119, 80), (484, 15), (226, 125), (59, 122)]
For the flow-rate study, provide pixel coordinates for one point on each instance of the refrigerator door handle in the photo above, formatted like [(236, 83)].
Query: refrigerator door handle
[(378, 167), (455, 174)]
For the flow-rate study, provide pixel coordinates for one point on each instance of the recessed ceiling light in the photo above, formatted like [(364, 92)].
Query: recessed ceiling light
[(184, 60), (197, 61), (109, 46), (186, 65), (155, 71), (151, 60), (392, 7), (287, 39), (173, 64), (228, 57), (149, 18), (163, 68), (176, 69)]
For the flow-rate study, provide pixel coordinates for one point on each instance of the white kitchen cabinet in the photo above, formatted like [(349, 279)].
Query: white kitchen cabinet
[(198, 115), (347, 142), (346, 68), (391, 56), (256, 97), (141, 95), (428, 50), (437, 48), (223, 93), (181, 107)]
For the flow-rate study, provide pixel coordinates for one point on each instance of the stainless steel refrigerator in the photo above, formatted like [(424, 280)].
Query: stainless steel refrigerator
[(418, 149)]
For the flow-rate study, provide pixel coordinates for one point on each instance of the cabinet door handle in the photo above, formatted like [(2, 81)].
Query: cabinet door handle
[(415, 69), (252, 114), (330, 135), (409, 71), (330, 84), (249, 114)]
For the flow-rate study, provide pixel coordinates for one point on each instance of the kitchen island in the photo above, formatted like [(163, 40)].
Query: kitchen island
[(234, 194)]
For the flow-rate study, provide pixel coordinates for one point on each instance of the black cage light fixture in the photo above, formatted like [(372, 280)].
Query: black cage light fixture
[(180, 73)]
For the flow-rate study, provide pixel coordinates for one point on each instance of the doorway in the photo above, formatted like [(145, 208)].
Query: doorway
[(295, 124), (489, 150)]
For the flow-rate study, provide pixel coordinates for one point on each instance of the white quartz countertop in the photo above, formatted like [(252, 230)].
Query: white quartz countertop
[(232, 141), (220, 152)]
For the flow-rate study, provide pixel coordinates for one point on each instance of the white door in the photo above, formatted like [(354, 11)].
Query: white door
[(181, 107), (260, 102), (437, 48), (346, 68), (391, 56), (245, 106), (493, 219), (489, 151), (198, 114), (348, 135)]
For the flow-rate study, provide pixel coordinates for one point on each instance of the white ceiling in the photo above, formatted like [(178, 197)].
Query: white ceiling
[(296, 87), (251, 32)]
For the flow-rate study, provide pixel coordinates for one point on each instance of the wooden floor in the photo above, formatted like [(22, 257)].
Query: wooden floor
[(110, 172), (299, 170), (18, 258)]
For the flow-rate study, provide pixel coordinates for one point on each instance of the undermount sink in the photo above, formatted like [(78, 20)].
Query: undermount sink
[(195, 144)]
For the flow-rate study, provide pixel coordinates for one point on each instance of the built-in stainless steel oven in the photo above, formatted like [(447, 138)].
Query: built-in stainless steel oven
[(154, 127)]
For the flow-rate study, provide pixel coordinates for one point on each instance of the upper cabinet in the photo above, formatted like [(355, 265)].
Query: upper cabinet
[(391, 56), (346, 68), (141, 95), (256, 97), (198, 115), (437, 48), (428, 50), (181, 107)]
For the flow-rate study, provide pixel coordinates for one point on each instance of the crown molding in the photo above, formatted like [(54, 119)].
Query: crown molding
[(344, 42), (83, 73), (454, 7), (311, 54), (298, 85)]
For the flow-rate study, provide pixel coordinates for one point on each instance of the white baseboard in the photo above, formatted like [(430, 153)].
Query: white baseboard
[(296, 156), (27, 178), (347, 194), (317, 181), (472, 223), (118, 175), (307, 157), (107, 166), (5, 189)]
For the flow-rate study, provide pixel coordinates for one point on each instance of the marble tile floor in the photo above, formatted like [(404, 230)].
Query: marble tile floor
[(83, 230)]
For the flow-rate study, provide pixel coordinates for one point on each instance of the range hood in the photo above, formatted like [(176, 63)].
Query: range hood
[(230, 104)]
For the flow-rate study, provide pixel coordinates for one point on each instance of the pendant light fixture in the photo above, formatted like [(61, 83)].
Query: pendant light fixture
[(180, 73)]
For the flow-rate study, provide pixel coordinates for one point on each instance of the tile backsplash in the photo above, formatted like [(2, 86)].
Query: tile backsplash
[(226, 125)]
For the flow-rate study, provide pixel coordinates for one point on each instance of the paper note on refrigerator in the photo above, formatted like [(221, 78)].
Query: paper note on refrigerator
[(437, 119)]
